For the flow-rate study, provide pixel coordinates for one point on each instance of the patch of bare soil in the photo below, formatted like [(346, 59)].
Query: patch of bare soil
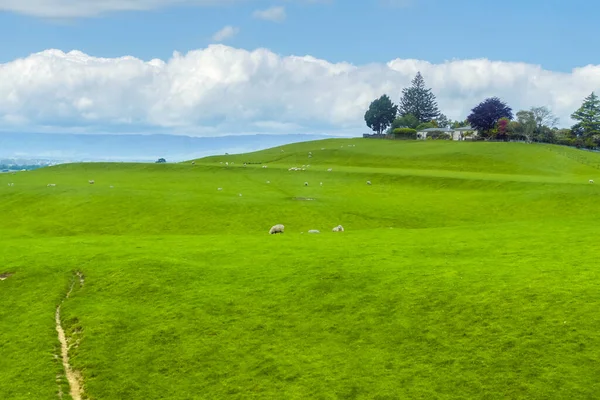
[(5, 276), (73, 377)]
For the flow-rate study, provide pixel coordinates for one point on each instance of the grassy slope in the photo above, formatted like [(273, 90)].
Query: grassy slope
[(486, 286)]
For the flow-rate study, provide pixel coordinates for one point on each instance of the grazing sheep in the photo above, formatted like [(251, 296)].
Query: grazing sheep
[(321, 183), (11, 184), (264, 166), (322, 148), (111, 186), (51, 184), (91, 182), (313, 231), (240, 194), (268, 181), (193, 162), (310, 153), (226, 162), (338, 228), (310, 156), (305, 183), (329, 169), (219, 189), (276, 229), (591, 181), (368, 182)]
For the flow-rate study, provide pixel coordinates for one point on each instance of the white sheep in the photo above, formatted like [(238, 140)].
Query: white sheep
[(264, 166), (368, 182), (240, 194), (51, 184), (329, 169), (219, 189), (226, 162), (111, 186), (591, 181), (276, 229), (268, 181), (321, 183), (313, 231), (11, 184), (305, 183), (91, 182), (193, 162), (338, 228)]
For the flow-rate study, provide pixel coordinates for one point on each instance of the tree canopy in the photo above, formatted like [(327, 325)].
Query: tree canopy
[(486, 115), (381, 114), (419, 101), (405, 121), (588, 116)]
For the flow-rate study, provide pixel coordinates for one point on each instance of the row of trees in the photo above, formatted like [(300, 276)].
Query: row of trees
[(417, 110), (492, 118)]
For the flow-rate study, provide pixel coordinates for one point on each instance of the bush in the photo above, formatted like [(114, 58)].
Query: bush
[(439, 136), (405, 133)]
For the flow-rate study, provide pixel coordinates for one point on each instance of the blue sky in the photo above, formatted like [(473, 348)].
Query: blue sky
[(559, 35), (529, 53)]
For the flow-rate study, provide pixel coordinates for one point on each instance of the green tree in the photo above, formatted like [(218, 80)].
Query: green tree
[(459, 124), (405, 121), (443, 121), (425, 125), (588, 116), (527, 124), (381, 114), (419, 101)]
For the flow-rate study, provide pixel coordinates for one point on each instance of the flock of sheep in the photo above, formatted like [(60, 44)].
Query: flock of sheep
[(279, 228)]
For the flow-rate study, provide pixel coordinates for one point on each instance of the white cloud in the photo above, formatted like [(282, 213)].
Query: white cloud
[(226, 33), (221, 89), (275, 14)]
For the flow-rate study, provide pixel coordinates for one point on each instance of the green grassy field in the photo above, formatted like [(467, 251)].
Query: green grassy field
[(467, 270)]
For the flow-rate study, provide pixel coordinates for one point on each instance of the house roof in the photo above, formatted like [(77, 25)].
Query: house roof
[(462, 129), (437, 130)]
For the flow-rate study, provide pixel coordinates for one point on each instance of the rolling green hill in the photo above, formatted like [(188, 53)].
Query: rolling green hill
[(466, 270)]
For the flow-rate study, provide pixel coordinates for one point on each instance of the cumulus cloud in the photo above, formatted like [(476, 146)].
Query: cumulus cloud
[(225, 33), (275, 14), (220, 89)]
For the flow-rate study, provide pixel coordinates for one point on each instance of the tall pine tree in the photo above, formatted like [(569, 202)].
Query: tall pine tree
[(419, 101), (588, 116)]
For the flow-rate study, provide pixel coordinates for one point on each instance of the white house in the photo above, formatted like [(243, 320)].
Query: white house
[(456, 133)]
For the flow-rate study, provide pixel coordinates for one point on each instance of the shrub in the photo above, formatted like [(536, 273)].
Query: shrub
[(405, 133), (439, 136)]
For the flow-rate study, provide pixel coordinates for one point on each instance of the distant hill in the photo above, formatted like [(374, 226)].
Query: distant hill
[(110, 147)]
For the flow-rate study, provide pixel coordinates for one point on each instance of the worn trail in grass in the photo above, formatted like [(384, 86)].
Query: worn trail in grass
[(467, 270)]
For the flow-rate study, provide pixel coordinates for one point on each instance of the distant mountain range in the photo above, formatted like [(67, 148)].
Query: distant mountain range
[(135, 148)]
